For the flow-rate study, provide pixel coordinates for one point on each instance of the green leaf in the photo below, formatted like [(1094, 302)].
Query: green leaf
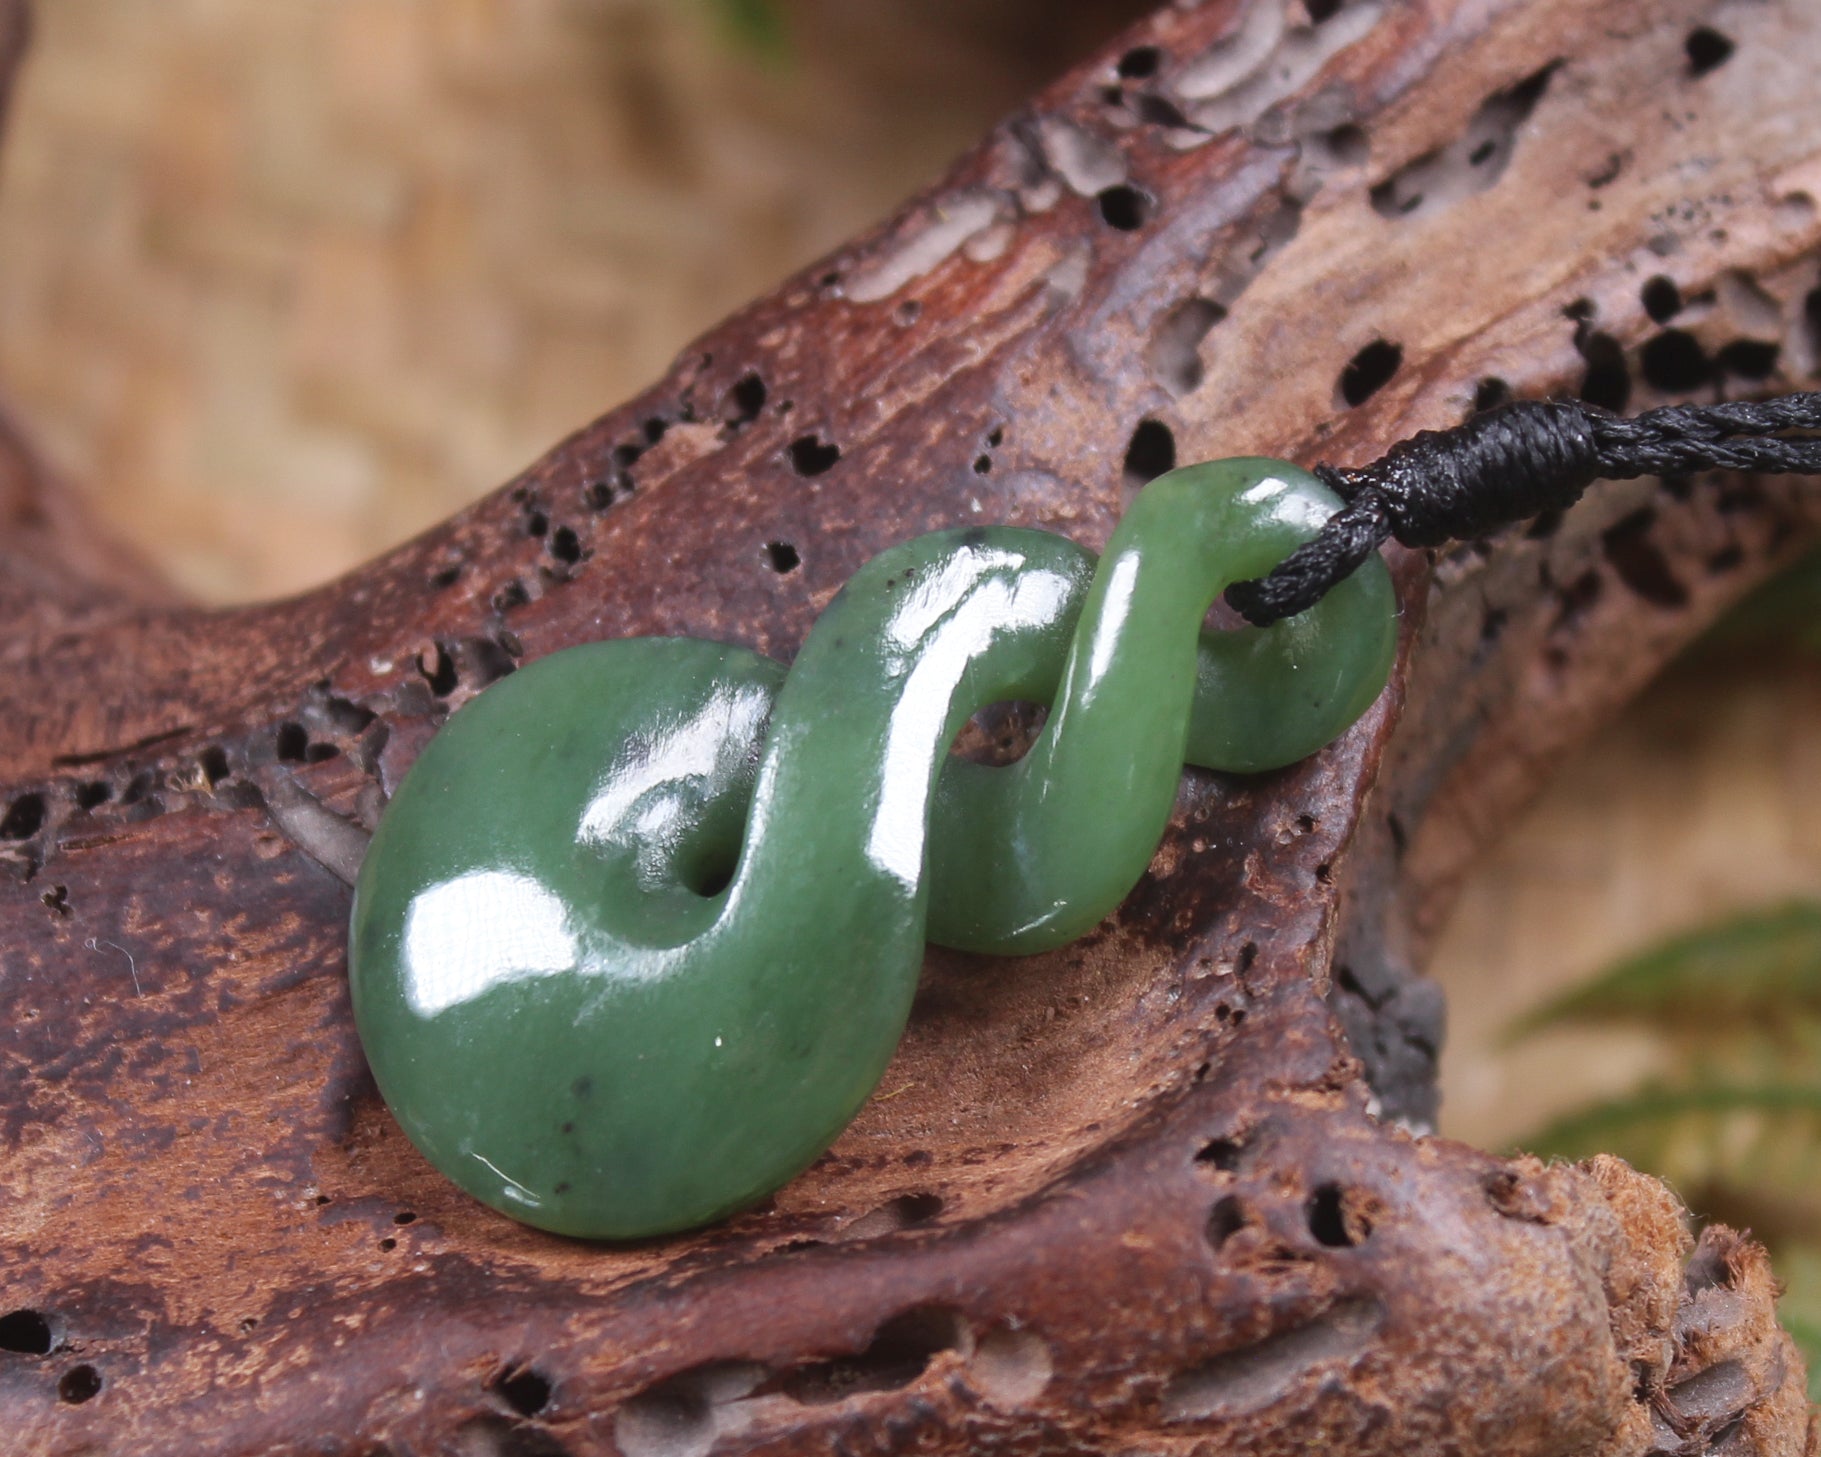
[(1758, 1146), (1760, 968)]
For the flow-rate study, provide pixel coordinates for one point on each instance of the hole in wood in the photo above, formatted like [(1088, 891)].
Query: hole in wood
[(747, 398), (24, 818), (1752, 359), (1707, 49), (25, 1332), (1139, 62), (1675, 363), (898, 1354), (1607, 382), (1369, 371), (810, 456), (1225, 1220), (1256, 1375), (1011, 1367), (1335, 1221), (525, 1389), (292, 742), (79, 1384), (1150, 453), (782, 556), (1220, 1155), (1639, 561), (1661, 298), (1124, 207), (1174, 355)]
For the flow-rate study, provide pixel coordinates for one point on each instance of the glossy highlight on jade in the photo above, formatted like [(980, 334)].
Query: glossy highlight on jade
[(639, 932)]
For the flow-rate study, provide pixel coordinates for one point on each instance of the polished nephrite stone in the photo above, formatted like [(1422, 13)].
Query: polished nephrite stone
[(639, 932)]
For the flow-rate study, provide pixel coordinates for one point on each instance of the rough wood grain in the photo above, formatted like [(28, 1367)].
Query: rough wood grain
[(1165, 1191)]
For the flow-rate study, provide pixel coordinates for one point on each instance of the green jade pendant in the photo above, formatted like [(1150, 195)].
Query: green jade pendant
[(640, 930)]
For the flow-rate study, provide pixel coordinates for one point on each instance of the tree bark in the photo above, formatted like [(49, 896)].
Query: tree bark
[(1168, 1190)]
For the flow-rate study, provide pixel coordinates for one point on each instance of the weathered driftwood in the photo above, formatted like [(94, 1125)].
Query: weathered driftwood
[(1142, 1195)]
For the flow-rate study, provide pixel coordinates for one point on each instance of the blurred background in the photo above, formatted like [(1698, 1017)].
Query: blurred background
[(283, 284), (280, 285)]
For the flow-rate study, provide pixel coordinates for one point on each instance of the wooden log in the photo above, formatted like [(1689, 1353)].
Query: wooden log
[(1168, 1190)]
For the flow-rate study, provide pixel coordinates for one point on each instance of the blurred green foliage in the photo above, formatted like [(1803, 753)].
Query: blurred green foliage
[(754, 28), (1782, 615), (1735, 1128)]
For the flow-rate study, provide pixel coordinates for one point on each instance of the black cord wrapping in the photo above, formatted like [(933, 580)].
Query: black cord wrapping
[(1517, 462)]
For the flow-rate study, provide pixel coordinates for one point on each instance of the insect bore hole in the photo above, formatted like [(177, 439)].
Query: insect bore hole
[(1707, 50), (1150, 453), (79, 1384), (25, 1333), (1124, 207), (782, 557), (1369, 371)]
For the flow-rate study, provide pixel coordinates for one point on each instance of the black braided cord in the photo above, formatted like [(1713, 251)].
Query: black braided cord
[(1515, 463)]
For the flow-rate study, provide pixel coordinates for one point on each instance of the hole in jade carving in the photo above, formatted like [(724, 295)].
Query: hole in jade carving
[(708, 869), (1000, 733), (1150, 453), (1369, 371), (94, 794), (78, 1385), (25, 1332)]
